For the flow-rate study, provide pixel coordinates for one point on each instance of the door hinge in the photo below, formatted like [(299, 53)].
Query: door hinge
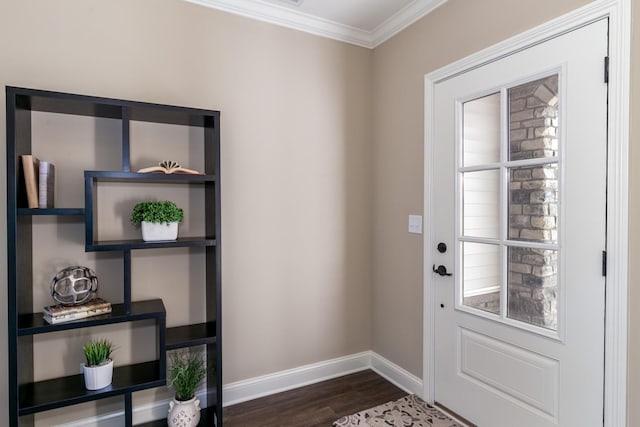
[(606, 69), (604, 263)]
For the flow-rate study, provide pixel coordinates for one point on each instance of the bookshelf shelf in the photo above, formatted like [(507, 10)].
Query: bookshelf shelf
[(59, 392), (120, 245), (33, 323), (115, 176), (191, 335), (51, 211)]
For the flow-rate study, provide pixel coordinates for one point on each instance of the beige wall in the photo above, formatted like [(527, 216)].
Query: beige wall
[(296, 158), (322, 157)]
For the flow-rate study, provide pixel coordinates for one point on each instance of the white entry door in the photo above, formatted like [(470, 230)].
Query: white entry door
[(519, 200)]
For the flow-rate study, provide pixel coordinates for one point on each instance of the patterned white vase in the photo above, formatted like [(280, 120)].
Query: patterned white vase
[(184, 413)]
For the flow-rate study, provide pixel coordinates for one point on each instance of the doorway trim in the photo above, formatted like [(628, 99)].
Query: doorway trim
[(619, 14)]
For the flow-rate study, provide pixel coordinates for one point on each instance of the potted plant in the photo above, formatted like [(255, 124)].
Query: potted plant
[(98, 371), (158, 220), (187, 371)]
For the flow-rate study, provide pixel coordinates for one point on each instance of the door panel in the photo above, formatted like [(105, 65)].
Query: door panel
[(520, 200), (505, 369)]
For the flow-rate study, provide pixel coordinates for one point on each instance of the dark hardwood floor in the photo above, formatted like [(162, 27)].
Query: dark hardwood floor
[(314, 405)]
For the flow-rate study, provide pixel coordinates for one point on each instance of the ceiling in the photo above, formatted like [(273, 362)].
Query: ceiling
[(364, 23)]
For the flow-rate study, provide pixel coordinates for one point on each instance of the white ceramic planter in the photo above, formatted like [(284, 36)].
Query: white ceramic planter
[(154, 231), (97, 377), (184, 414)]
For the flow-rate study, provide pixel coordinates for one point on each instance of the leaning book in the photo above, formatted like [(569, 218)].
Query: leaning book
[(62, 313), (31, 172)]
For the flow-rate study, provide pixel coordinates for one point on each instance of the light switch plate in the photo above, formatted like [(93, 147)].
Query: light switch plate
[(415, 224)]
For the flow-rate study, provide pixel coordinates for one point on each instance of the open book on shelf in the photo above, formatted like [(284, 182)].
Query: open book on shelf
[(168, 167)]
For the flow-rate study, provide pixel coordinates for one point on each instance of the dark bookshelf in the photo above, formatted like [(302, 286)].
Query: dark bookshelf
[(27, 396)]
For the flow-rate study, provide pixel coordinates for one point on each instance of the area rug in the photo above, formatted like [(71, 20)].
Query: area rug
[(410, 411)]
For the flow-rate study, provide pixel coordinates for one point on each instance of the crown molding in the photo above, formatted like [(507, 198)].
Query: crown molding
[(286, 17), (402, 19)]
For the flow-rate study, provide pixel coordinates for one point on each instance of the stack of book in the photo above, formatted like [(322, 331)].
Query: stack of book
[(39, 180), (65, 313)]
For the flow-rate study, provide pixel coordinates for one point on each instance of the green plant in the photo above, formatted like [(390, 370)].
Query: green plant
[(160, 212), (98, 352), (186, 373)]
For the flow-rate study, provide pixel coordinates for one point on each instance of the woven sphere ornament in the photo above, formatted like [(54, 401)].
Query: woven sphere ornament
[(74, 285)]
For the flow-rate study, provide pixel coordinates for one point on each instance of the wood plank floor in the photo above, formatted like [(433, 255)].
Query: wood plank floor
[(314, 405)]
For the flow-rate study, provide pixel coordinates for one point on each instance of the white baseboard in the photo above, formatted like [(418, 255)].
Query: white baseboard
[(265, 385), (254, 388), (396, 375)]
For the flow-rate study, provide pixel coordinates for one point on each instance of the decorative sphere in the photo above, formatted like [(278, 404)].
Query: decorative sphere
[(74, 285)]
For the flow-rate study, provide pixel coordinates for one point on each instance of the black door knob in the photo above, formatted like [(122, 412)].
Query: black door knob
[(442, 247), (441, 270)]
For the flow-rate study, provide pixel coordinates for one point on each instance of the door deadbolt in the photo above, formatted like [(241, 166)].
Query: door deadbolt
[(442, 247)]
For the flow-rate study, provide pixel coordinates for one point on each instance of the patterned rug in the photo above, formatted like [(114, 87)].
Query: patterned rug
[(410, 411)]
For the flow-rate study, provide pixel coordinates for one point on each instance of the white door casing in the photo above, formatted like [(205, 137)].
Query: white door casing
[(616, 326)]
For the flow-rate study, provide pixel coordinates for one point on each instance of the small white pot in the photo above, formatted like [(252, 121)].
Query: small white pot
[(155, 231), (97, 377), (184, 413)]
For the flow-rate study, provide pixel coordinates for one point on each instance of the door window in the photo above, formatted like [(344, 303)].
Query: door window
[(509, 202)]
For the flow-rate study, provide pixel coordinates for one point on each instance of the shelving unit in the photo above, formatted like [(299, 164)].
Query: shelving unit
[(29, 395)]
